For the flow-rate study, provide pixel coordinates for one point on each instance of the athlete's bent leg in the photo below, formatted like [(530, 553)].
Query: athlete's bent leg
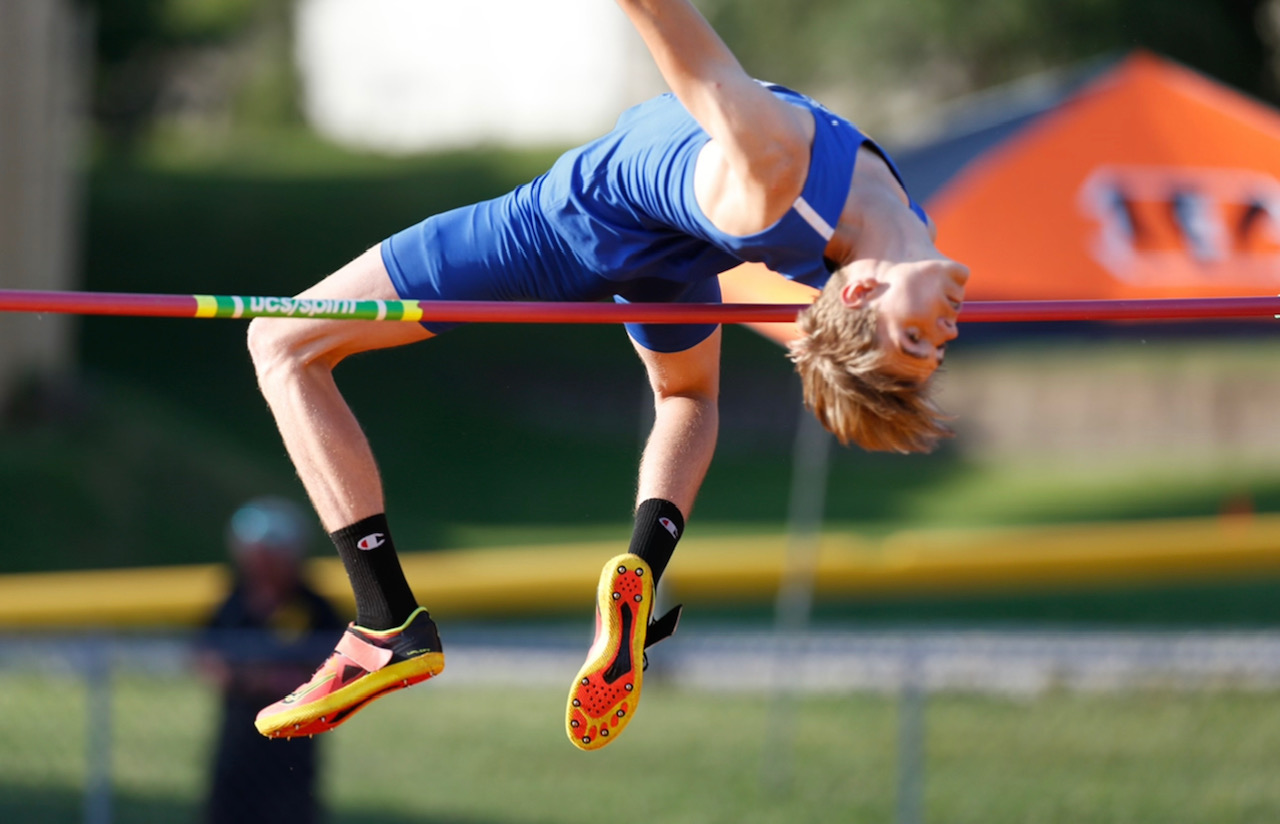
[(686, 390), (606, 691), (394, 642), (294, 360)]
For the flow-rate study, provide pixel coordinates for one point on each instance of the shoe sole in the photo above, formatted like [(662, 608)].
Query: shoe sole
[(606, 691), (333, 710)]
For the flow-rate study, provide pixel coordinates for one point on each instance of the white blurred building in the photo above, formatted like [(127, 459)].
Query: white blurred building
[(412, 75)]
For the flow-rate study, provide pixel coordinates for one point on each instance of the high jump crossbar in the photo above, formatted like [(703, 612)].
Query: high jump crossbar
[(238, 306)]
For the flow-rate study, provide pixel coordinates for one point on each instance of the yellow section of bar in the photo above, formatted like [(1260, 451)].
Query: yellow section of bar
[(206, 306)]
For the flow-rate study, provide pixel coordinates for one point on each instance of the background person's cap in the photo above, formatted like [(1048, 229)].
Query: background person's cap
[(270, 523)]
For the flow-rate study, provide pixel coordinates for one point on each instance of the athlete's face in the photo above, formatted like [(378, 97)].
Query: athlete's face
[(916, 307)]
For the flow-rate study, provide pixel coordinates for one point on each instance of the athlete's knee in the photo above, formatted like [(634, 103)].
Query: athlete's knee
[(273, 345)]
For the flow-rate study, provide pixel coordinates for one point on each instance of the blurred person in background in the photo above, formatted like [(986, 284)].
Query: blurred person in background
[(269, 632), (722, 170)]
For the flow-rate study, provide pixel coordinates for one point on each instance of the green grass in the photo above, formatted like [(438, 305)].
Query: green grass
[(138, 472), (485, 754), (1141, 757)]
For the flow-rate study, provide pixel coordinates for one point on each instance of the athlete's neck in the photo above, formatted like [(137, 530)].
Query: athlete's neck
[(877, 221)]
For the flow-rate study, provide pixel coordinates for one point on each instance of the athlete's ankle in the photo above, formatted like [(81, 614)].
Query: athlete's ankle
[(659, 525), (383, 597)]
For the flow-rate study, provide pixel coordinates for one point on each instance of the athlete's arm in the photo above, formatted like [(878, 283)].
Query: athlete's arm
[(764, 141)]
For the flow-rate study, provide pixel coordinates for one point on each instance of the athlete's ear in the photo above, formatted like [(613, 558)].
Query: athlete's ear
[(858, 291)]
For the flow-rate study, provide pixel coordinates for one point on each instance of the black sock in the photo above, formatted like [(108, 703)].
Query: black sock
[(659, 526), (383, 597)]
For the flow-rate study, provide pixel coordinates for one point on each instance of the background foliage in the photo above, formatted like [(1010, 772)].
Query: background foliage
[(229, 59), (972, 45), (499, 434)]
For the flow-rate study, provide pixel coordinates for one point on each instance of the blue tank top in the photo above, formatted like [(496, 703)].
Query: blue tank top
[(625, 207)]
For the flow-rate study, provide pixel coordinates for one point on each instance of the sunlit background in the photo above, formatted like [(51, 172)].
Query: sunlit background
[(1070, 613)]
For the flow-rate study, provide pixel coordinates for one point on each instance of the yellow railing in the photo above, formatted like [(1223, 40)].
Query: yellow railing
[(541, 579)]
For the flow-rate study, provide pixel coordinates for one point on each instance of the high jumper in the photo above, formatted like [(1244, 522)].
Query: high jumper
[(721, 170)]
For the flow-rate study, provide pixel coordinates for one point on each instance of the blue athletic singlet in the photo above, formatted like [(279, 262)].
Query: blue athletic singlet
[(618, 217)]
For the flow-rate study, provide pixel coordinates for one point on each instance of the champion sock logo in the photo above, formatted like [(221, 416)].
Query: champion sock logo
[(371, 541), (670, 526)]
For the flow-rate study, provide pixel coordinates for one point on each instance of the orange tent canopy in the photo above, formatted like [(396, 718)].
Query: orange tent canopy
[(1151, 181)]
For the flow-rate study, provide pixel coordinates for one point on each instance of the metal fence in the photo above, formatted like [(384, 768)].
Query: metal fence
[(100, 728)]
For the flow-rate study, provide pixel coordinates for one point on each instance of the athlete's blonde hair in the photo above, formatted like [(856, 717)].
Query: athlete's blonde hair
[(847, 387)]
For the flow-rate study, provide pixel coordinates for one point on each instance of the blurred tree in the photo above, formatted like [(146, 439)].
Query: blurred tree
[(126, 65), (214, 58), (878, 53), (877, 59)]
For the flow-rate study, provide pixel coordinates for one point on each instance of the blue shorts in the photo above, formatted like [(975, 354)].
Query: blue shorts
[(499, 250)]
